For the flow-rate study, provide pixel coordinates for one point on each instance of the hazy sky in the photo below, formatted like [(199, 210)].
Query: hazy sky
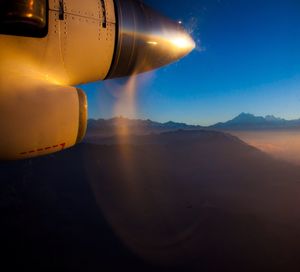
[(247, 60)]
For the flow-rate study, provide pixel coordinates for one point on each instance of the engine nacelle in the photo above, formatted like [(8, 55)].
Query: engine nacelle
[(48, 45)]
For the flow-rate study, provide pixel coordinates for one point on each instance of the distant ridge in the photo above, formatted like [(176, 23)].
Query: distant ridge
[(244, 121)]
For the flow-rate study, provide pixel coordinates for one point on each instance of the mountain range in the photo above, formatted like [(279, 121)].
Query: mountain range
[(244, 121), (247, 121)]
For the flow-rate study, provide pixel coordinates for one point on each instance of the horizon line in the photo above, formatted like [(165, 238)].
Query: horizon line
[(179, 122)]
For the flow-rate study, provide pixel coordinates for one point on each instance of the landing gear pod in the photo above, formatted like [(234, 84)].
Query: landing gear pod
[(40, 120)]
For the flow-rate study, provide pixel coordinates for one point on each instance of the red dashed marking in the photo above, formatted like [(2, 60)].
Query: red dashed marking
[(46, 148)]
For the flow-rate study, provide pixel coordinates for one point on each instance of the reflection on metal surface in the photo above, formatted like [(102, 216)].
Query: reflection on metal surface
[(146, 40), (31, 12), (181, 42), (83, 115), (153, 43)]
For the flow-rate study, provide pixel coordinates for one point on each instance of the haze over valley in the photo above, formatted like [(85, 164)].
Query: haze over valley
[(275, 136)]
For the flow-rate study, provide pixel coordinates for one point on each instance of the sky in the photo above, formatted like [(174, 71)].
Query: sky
[(247, 60)]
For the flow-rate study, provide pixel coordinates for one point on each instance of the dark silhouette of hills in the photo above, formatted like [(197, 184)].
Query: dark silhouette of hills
[(247, 121), (177, 201), (121, 125)]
